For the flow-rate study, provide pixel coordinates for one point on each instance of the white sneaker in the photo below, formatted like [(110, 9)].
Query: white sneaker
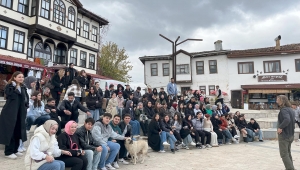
[(187, 148), (228, 143), (115, 165), (162, 151), (208, 146), (123, 161), (104, 168), (19, 154), (203, 146), (236, 142), (193, 143), (236, 136), (12, 156), (27, 131), (233, 139), (166, 144), (23, 149), (298, 140), (108, 166), (20, 150)]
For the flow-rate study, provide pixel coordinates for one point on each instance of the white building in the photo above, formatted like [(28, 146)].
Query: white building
[(252, 77), (59, 31)]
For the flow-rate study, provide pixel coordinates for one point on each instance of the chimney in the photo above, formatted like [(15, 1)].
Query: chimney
[(277, 40), (218, 45)]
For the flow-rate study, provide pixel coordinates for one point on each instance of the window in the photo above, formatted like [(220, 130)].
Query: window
[(71, 18), (3, 36), (297, 65), (92, 61), (82, 59), (45, 9), (94, 34), (78, 26), (182, 69), (33, 7), (166, 69), (6, 3), (211, 89), (272, 66), (23, 6), (86, 28), (59, 12), (29, 49), (18, 41), (42, 51), (213, 66), (200, 67), (203, 88), (153, 69), (73, 56), (60, 54), (245, 67)]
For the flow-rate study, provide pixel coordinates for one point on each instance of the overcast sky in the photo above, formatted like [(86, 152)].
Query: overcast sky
[(240, 24)]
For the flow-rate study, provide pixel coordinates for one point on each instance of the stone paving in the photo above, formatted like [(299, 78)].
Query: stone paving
[(252, 156)]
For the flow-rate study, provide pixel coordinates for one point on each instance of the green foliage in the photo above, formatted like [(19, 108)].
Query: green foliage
[(113, 62)]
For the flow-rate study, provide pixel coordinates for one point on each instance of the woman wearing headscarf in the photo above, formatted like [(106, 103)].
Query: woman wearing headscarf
[(43, 148), (154, 133), (208, 109), (216, 122), (214, 109), (69, 141), (173, 109)]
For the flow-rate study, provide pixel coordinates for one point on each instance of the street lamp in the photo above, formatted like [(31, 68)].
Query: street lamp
[(174, 45)]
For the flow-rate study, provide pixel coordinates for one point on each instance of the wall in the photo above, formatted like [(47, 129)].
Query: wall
[(14, 14), (87, 59), (182, 58), (86, 41)]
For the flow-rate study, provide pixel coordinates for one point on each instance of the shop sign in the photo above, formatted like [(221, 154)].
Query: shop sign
[(20, 65), (272, 78)]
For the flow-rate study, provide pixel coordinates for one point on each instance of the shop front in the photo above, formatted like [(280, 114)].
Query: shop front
[(263, 96)]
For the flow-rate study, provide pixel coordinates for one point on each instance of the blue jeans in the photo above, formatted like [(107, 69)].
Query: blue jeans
[(167, 135), (93, 158), (113, 151), (31, 120), (227, 135), (250, 135), (135, 127), (95, 114), (259, 134), (55, 165), (120, 110), (100, 112)]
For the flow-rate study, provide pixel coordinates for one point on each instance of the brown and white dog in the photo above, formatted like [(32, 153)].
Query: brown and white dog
[(136, 149)]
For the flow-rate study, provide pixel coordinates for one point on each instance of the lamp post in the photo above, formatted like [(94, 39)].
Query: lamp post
[(174, 45)]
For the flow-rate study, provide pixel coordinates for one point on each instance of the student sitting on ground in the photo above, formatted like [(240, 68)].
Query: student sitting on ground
[(254, 126), (134, 123), (51, 109), (167, 134), (36, 114), (225, 131), (86, 141), (198, 123), (187, 128), (69, 109), (216, 122), (101, 132)]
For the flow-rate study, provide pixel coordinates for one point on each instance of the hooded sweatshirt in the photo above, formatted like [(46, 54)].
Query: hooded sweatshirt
[(198, 123), (129, 110)]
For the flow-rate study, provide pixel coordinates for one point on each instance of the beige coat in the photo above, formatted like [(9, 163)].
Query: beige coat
[(112, 107)]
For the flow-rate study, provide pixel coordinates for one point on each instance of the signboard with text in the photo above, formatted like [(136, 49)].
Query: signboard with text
[(17, 64), (272, 78)]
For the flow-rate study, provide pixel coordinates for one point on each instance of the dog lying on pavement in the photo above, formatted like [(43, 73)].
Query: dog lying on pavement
[(136, 149)]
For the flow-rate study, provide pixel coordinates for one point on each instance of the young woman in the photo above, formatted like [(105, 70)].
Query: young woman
[(82, 79), (69, 141), (225, 130), (176, 127), (93, 103), (197, 95), (154, 133), (13, 115), (155, 92), (36, 114), (112, 105), (58, 83), (159, 109), (167, 134), (208, 127), (161, 99), (170, 101), (43, 148), (181, 110), (206, 100), (188, 129), (216, 122), (75, 88), (149, 111), (189, 110), (208, 109), (236, 117), (181, 100), (173, 109), (232, 127), (219, 109)]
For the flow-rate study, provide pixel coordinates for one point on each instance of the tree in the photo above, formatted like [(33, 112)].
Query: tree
[(113, 62)]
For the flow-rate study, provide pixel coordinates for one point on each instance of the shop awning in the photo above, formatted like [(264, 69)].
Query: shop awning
[(268, 91), (19, 62), (272, 86)]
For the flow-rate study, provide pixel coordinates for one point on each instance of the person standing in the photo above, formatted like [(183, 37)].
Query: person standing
[(172, 89), (219, 96), (58, 84), (72, 73), (93, 103), (83, 82), (297, 116), (13, 114), (285, 130)]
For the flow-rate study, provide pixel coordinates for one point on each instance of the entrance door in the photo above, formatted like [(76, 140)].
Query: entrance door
[(236, 99)]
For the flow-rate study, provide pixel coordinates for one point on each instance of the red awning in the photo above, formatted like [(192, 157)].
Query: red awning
[(98, 76), (19, 62)]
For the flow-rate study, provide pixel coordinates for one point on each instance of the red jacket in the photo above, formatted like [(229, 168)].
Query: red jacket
[(224, 124)]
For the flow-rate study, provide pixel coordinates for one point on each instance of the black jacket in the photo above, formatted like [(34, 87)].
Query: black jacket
[(91, 101), (149, 112), (127, 93), (241, 124), (163, 93), (165, 126), (122, 126), (253, 126), (129, 110), (108, 93), (216, 123), (83, 81), (189, 112), (86, 139), (53, 115), (64, 143), (73, 74), (100, 92), (286, 122), (184, 132), (56, 82), (122, 90)]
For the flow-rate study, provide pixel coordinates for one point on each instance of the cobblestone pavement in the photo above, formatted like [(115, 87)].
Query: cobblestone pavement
[(256, 155)]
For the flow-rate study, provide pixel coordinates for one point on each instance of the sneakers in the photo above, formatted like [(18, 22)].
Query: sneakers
[(173, 151), (12, 156), (233, 139), (123, 161), (298, 140), (162, 151), (203, 146), (199, 147), (103, 168), (19, 154), (115, 165), (236, 136), (228, 143), (208, 146), (166, 144), (187, 148), (108, 166), (261, 140), (193, 143)]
